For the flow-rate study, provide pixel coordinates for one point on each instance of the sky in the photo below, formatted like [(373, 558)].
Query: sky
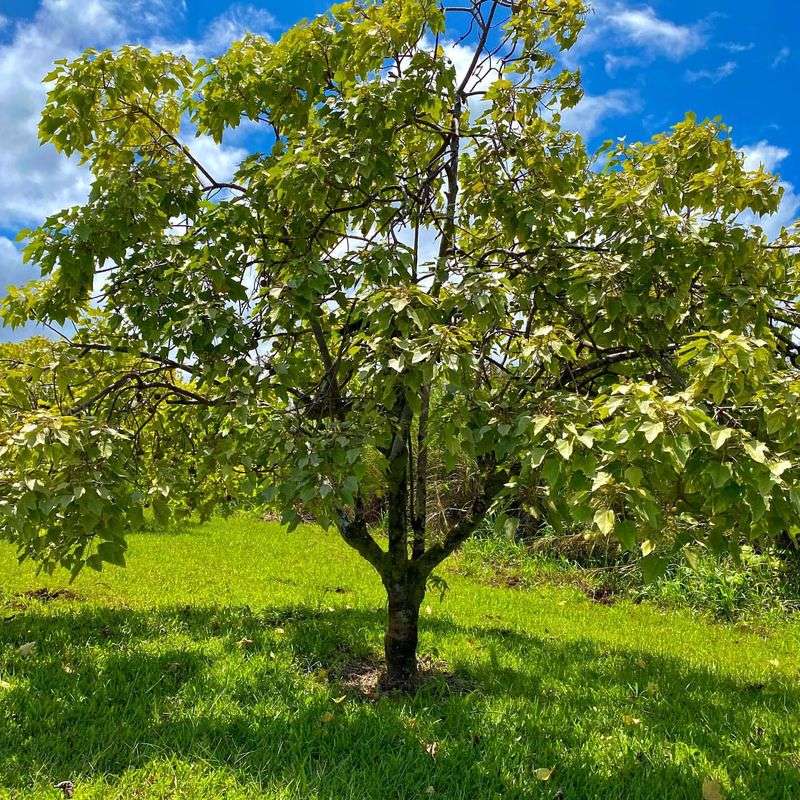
[(644, 66)]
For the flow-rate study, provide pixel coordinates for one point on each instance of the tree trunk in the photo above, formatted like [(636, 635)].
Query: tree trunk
[(402, 632)]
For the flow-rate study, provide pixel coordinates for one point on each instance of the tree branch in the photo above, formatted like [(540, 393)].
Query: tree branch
[(354, 532), (460, 532)]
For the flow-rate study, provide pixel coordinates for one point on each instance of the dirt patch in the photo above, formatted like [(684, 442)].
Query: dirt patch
[(604, 595), (365, 678), (360, 678), (502, 579), (45, 595)]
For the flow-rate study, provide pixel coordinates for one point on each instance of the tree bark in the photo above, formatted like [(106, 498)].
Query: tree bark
[(405, 595)]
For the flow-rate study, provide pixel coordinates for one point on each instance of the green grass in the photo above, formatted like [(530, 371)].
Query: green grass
[(143, 688)]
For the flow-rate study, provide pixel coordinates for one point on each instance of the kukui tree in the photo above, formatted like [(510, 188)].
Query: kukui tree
[(419, 253)]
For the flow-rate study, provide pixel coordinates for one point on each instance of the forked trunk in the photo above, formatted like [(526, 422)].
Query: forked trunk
[(402, 633)]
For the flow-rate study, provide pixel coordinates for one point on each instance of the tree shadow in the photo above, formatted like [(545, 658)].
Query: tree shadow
[(109, 690)]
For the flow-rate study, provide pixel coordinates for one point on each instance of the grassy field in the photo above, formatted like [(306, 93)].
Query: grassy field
[(209, 669)]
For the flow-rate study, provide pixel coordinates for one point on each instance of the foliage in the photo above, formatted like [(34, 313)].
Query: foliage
[(416, 255), (209, 681), (78, 466), (756, 584)]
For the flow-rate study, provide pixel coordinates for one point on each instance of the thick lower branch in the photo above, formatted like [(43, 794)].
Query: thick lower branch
[(462, 530), (355, 533)]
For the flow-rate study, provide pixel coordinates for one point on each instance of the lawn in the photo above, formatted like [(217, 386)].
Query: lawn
[(211, 667)]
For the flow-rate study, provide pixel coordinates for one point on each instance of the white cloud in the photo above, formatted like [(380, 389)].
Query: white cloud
[(12, 270), (461, 56), (614, 63), (585, 118), (221, 161), (788, 213), (231, 25), (763, 154), (783, 55), (769, 156), (37, 181), (713, 75), (644, 28), (234, 23), (737, 47), (634, 34)]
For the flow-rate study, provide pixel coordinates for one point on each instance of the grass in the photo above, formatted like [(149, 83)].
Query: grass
[(206, 669)]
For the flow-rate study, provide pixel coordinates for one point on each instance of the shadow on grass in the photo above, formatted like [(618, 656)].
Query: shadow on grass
[(110, 690)]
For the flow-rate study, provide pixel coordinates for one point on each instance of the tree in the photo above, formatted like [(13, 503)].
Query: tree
[(419, 253)]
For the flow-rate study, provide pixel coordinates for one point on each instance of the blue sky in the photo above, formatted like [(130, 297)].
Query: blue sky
[(644, 65)]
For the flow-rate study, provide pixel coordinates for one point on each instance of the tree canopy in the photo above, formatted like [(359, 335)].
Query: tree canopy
[(418, 254)]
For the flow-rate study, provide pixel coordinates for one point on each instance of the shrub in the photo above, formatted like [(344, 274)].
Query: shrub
[(729, 589)]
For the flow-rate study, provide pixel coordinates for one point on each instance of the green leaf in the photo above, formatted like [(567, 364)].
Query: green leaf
[(652, 430), (634, 476), (720, 436), (565, 448), (604, 520), (652, 567), (112, 552), (399, 303), (601, 479), (539, 424), (757, 451), (777, 468), (420, 355), (625, 532)]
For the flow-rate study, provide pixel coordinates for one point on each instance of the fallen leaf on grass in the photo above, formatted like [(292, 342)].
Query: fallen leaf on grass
[(341, 699), (543, 773), (432, 748), (26, 650), (630, 720), (244, 643), (712, 790), (327, 717)]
